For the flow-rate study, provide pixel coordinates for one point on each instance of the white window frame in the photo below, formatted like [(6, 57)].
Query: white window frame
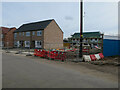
[(18, 43), (39, 33), (33, 33), (92, 40), (27, 34), (36, 44), (96, 40), (27, 45), (15, 44), (84, 40)]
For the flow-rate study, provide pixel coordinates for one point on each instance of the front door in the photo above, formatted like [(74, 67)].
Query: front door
[(22, 43), (33, 44)]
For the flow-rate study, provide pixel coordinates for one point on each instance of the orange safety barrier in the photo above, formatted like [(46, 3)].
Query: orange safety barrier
[(101, 55), (41, 53), (59, 55), (86, 50), (51, 54), (63, 56), (56, 55), (36, 52), (93, 58)]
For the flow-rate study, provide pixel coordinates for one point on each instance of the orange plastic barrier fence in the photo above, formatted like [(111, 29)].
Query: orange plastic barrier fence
[(50, 54)]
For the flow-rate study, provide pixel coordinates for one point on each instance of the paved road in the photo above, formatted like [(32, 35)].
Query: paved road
[(24, 72)]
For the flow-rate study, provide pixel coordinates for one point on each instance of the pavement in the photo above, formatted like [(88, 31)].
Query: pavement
[(22, 53), (29, 72)]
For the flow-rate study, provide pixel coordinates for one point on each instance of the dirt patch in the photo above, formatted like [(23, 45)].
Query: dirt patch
[(107, 65), (103, 68)]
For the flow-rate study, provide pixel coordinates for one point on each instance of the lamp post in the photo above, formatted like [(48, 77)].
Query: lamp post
[(81, 29)]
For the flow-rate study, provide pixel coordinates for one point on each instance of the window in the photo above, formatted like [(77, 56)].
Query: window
[(95, 44), (1, 44), (1, 35), (27, 43), (91, 40), (18, 43), (38, 44), (96, 40), (27, 33), (92, 46), (84, 40), (15, 44), (74, 43), (73, 40), (39, 33), (33, 33), (15, 35), (23, 33), (85, 44), (19, 33)]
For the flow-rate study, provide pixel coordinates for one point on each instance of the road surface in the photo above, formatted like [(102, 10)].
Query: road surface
[(25, 72)]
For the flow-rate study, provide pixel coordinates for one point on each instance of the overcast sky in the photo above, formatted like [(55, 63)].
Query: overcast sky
[(99, 16)]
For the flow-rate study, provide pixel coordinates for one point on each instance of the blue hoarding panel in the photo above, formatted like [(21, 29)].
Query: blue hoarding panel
[(111, 47)]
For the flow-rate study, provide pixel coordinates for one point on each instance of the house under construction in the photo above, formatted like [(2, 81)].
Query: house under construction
[(92, 41)]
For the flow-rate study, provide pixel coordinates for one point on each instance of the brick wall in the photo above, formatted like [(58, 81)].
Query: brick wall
[(30, 38), (9, 37), (53, 36)]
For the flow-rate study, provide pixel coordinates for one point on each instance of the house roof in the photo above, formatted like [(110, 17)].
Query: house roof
[(5, 30), (87, 35), (41, 25)]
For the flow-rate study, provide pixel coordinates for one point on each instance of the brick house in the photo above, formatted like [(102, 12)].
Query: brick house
[(7, 37), (44, 34)]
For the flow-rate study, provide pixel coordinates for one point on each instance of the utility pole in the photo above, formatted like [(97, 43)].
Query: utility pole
[(81, 29)]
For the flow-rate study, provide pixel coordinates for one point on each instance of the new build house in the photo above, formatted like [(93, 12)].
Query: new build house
[(7, 37), (44, 34)]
